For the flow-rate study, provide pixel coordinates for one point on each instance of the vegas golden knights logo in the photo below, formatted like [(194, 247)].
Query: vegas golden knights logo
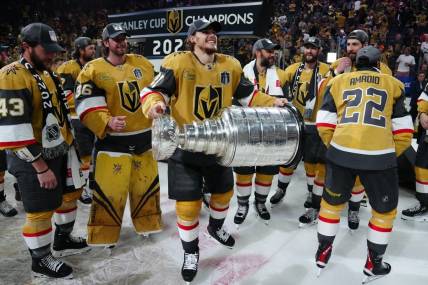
[(174, 20), (302, 93), (129, 95), (208, 101)]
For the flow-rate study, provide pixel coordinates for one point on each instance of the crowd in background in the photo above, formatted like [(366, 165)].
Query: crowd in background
[(394, 26)]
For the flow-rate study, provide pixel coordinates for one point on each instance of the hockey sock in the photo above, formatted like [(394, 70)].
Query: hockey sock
[(380, 228), (37, 233), (318, 188), (188, 224), (243, 187), (328, 221), (219, 204), (284, 177), (422, 185), (310, 174), (65, 215), (263, 183)]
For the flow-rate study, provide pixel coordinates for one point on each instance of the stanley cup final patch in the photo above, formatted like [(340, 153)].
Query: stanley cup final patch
[(225, 77)]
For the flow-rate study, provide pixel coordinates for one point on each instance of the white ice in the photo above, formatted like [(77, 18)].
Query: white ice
[(278, 253)]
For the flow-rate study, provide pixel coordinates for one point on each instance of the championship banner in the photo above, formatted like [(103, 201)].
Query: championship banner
[(236, 19)]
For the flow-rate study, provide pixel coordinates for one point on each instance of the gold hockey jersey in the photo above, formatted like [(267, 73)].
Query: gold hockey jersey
[(363, 120), (104, 90), (303, 86), (423, 101), (382, 67), (196, 91), (69, 71), (21, 111)]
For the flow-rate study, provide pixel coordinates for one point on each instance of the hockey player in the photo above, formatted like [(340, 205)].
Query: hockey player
[(303, 79), (84, 51), (420, 212), (269, 79), (107, 102), (35, 127), (197, 84), (365, 126), (5, 208), (356, 40)]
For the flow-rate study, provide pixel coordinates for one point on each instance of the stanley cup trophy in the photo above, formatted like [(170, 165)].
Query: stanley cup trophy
[(239, 137)]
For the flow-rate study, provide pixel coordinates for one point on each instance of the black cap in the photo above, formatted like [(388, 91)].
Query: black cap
[(113, 30), (42, 34), (265, 44), (312, 41), (360, 35), (82, 42), (203, 24), (367, 55)]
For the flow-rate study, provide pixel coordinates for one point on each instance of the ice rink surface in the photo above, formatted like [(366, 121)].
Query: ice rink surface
[(279, 253)]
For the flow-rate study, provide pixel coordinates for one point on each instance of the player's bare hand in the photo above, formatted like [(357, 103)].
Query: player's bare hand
[(47, 180), (117, 124), (344, 63), (157, 110), (280, 102), (423, 118)]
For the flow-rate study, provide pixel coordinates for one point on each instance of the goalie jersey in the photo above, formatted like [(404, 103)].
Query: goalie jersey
[(196, 91), (103, 91), (363, 120), (69, 71), (21, 111)]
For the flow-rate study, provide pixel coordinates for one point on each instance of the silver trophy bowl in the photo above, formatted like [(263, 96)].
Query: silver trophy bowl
[(239, 137)]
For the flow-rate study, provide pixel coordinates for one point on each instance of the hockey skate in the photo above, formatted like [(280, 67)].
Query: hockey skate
[(418, 213), (7, 210), (323, 256), (50, 267), (221, 236), (309, 218), (353, 220), (66, 245), (375, 268), (262, 212), (241, 214), (190, 266), (277, 197)]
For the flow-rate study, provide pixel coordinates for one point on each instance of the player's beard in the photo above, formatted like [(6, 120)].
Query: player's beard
[(210, 50), (310, 59), (267, 62), (38, 63), (87, 58), (120, 49), (352, 56)]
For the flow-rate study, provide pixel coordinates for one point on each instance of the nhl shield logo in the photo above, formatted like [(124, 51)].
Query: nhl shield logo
[(225, 77), (174, 19)]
